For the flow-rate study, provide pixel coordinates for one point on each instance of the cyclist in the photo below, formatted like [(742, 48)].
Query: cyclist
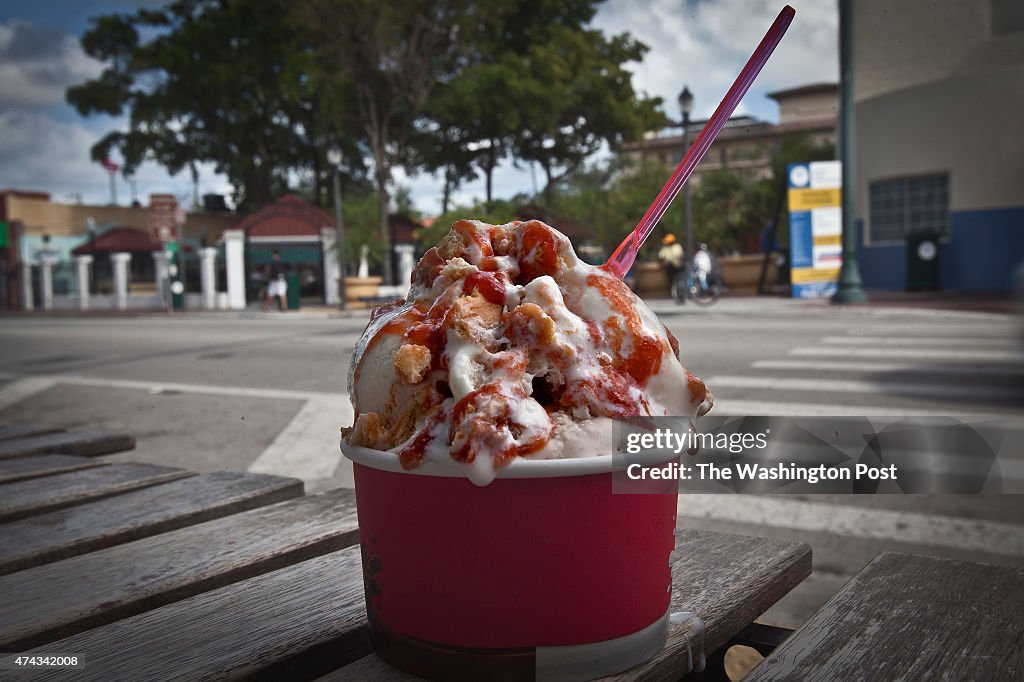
[(703, 264), (671, 256)]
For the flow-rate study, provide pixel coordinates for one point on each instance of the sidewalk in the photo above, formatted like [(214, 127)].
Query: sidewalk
[(879, 303)]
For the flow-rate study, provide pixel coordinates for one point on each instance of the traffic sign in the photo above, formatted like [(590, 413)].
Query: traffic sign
[(163, 225)]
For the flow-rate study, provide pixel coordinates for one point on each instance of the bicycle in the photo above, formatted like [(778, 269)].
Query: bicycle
[(701, 290)]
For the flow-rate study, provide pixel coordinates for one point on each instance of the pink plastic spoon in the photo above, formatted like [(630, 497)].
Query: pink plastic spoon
[(622, 260)]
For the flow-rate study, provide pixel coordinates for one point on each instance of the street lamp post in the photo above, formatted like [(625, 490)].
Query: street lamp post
[(849, 286), (334, 158), (685, 107)]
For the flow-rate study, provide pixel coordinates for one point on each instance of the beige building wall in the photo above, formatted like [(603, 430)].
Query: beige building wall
[(40, 216), (811, 107), (937, 91), (903, 44), (937, 127)]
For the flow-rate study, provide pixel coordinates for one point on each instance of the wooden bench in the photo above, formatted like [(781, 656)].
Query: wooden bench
[(159, 573), (911, 618)]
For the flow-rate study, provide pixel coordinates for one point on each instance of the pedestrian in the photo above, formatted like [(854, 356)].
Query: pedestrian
[(277, 287), (703, 265), (670, 255)]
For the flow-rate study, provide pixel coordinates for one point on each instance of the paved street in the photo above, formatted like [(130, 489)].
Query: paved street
[(266, 392)]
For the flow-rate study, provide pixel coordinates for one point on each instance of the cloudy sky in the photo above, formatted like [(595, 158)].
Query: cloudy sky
[(44, 144)]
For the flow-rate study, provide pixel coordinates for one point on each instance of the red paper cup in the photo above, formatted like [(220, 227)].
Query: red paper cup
[(543, 573)]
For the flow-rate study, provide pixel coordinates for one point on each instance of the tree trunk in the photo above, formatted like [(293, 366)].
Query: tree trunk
[(491, 163), (446, 197), (382, 209), (548, 186)]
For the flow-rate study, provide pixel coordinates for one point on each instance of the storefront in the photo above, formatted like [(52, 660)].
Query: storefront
[(295, 229)]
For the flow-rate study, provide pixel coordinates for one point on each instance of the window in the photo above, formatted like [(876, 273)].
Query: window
[(907, 205)]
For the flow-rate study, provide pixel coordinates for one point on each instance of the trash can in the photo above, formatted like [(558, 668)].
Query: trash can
[(923, 261), (294, 290), (177, 294)]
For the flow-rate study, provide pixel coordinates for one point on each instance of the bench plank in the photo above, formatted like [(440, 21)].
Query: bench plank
[(293, 623), (26, 430), (912, 618), (21, 468), (727, 580), (41, 495), (61, 599), (69, 532), (88, 443)]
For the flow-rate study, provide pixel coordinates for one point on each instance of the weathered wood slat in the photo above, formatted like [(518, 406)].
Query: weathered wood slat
[(727, 580), (293, 623), (25, 430), (57, 600), (85, 528), (912, 618), (21, 468), (41, 495), (87, 443)]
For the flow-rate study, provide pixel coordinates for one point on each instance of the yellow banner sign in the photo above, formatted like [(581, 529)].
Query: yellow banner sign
[(805, 275), (807, 199)]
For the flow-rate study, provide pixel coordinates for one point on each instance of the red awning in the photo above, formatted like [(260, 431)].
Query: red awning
[(117, 239)]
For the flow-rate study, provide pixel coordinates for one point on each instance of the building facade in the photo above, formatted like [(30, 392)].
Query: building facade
[(939, 90), (746, 144)]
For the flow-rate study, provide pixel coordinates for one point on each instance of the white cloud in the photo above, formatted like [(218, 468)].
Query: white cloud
[(705, 44), (37, 64), (38, 152)]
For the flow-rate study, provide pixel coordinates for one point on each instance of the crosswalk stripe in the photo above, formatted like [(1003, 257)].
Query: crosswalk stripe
[(776, 408), (964, 355), (307, 447), (922, 341), (983, 330), (881, 524), (160, 386), (23, 388), (951, 391), (867, 366)]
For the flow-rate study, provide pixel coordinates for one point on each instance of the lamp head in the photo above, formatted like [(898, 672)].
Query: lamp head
[(686, 102)]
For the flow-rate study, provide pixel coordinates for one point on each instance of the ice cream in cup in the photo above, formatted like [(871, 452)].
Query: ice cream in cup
[(492, 541)]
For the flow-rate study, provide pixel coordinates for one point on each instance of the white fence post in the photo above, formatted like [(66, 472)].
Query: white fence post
[(120, 262), (82, 268), (27, 294), (329, 239), (234, 254), (208, 276)]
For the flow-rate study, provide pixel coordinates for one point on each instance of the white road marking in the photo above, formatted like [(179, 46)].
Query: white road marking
[(206, 389), (929, 369), (963, 355), (19, 389), (899, 526), (922, 341), (951, 391), (308, 447)]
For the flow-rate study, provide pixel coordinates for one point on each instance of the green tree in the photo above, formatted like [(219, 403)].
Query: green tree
[(226, 82), (393, 54), (577, 95)]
